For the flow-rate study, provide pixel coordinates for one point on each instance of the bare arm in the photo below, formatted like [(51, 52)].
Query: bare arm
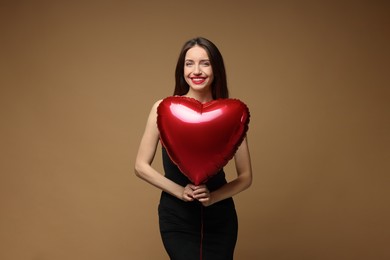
[(143, 163), (242, 182)]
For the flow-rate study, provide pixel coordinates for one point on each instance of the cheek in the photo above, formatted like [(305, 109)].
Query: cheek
[(186, 71), (187, 80), (211, 74)]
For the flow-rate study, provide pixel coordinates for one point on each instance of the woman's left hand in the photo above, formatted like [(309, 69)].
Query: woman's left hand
[(202, 194)]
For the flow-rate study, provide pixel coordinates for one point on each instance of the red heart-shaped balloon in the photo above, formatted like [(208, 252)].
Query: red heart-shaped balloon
[(201, 138)]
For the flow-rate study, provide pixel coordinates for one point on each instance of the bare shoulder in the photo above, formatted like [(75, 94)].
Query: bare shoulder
[(157, 103), (153, 111)]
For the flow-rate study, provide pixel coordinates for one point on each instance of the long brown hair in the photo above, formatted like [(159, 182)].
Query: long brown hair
[(219, 87)]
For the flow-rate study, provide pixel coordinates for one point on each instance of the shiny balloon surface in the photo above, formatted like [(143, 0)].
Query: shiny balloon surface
[(201, 138)]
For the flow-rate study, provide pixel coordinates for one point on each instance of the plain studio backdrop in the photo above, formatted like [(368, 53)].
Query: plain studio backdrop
[(78, 79)]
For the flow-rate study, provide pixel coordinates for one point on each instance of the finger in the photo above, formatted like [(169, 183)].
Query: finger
[(201, 191), (192, 187), (202, 186), (188, 197), (206, 199), (202, 195)]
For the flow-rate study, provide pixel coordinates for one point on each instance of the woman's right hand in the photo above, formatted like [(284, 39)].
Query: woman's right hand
[(188, 192)]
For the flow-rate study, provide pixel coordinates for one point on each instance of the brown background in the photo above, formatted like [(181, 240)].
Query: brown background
[(78, 79)]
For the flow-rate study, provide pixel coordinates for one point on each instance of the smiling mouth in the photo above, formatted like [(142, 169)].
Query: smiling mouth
[(198, 80)]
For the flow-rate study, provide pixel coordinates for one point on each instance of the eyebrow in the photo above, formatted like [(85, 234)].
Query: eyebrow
[(200, 60)]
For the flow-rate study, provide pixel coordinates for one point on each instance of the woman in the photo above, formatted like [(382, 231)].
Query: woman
[(196, 222)]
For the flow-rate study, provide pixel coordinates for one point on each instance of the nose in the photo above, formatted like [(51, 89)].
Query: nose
[(197, 70)]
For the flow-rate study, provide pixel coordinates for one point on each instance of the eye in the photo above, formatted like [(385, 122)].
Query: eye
[(206, 63), (188, 63)]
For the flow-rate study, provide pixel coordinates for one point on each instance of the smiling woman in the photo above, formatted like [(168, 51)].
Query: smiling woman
[(200, 129), (209, 60), (197, 70)]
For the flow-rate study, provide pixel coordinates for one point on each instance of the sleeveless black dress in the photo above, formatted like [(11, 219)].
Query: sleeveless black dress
[(191, 231)]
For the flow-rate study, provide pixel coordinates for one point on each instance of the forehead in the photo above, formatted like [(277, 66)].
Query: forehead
[(196, 52)]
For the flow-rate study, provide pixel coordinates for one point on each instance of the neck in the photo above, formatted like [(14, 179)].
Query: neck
[(202, 97)]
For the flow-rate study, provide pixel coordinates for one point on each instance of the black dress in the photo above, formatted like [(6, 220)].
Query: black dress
[(191, 231)]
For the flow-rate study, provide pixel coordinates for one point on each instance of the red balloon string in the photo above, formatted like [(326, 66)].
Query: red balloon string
[(201, 232)]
